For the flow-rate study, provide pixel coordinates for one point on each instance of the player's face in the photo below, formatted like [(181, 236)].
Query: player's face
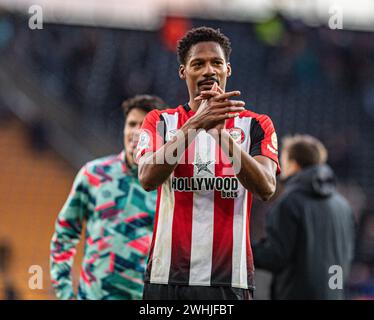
[(131, 131), (205, 64)]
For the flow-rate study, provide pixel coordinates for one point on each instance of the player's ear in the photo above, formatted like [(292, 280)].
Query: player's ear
[(182, 71), (229, 69)]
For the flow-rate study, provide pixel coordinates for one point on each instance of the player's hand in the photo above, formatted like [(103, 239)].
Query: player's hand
[(215, 108)]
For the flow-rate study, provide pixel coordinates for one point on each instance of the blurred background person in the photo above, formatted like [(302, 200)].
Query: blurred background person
[(118, 214), (310, 228)]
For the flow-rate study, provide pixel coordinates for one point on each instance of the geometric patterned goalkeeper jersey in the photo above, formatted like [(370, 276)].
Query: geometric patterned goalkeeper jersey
[(118, 215)]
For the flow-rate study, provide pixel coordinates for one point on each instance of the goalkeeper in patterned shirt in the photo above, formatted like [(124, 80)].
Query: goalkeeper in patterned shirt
[(118, 214)]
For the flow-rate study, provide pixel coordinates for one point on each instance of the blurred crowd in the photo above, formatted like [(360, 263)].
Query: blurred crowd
[(309, 80)]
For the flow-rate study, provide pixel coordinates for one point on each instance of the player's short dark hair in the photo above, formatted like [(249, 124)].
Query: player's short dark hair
[(202, 34), (305, 150), (143, 102)]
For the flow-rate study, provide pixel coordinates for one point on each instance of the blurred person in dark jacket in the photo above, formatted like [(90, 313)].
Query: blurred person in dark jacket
[(310, 229)]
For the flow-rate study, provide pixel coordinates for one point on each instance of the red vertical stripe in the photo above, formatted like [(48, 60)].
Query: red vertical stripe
[(182, 226), (250, 267), (222, 240), (182, 216), (223, 225)]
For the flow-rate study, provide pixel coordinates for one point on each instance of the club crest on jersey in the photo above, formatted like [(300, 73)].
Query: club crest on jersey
[(237, 134)]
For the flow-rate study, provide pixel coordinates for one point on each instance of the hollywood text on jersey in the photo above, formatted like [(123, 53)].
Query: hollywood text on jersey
[(228, 186)]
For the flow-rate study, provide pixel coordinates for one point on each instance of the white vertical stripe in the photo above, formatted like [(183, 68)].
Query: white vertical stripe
[(161, 258), (244, 124), (171, 123), (239, 256), (203, 215), (243, 258)]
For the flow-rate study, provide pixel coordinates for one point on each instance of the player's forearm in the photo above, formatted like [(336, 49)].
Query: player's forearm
[(62, 285), (63, 250), (155, 168), (252, 175), (256, 178), (153, 174)]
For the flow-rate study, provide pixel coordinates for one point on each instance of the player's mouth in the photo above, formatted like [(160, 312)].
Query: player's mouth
[(207, 84), (133, 142)]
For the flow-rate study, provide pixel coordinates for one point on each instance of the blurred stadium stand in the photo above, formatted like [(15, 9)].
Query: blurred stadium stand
[(32, 186), (73, 79), (310, 80)]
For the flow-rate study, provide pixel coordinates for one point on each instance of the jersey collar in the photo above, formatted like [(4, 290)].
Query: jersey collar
[(187, 108), (125, 166)]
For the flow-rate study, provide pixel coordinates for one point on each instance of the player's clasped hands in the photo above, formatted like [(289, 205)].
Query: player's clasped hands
[(216, 107)]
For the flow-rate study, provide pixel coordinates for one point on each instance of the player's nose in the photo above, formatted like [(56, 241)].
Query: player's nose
[(137, 130), (209, 70)]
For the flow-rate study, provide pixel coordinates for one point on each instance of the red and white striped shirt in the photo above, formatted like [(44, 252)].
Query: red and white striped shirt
[(201, 231)]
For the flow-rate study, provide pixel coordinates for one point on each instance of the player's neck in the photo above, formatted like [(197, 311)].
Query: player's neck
[(193, 105), (129, 159)]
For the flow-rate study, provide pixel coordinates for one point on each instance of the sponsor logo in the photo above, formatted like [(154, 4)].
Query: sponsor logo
[(237, 134), (272, 149), (143, 140), (203, 166), (228, 186), (274, 140)]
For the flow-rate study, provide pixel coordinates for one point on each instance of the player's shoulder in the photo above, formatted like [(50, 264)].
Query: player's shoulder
[(254, 115), (260, 119), (156, 113)]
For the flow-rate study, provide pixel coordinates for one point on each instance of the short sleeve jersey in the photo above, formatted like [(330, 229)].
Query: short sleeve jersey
[(201, 232)]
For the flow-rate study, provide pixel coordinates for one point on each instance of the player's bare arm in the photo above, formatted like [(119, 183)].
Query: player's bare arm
[(152, 166), (257, 174), (154, 170)]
